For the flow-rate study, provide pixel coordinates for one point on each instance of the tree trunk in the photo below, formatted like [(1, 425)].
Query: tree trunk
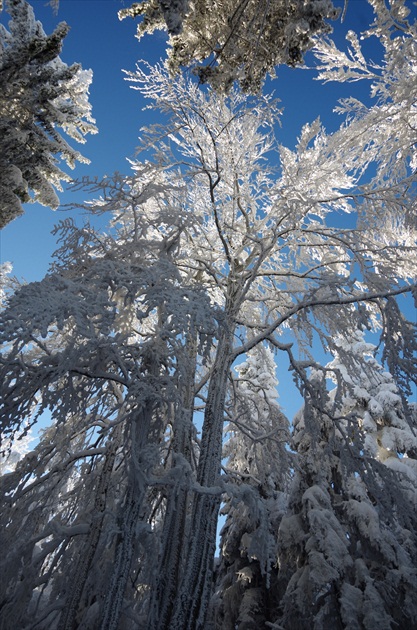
[(174, 531), (68, 619), (135, 493), (191, 604)]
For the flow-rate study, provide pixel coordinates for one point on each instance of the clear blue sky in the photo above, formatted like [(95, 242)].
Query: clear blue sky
[(98, 40)]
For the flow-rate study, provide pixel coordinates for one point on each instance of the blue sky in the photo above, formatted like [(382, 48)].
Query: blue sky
[(98, 40)]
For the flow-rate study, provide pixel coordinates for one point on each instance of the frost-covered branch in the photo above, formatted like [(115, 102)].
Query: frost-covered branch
[(39, 94)]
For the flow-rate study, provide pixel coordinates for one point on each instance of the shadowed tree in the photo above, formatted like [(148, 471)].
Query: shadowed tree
[(347, 545)]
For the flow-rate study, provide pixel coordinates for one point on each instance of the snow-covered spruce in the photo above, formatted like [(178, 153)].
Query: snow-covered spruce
[(39, 94)]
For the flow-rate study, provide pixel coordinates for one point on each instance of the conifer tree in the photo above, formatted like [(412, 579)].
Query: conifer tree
[(235, 40), (258, 463), (347, 544), (39, 94)]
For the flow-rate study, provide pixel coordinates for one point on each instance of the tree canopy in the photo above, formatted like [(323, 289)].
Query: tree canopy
[(237, 40)]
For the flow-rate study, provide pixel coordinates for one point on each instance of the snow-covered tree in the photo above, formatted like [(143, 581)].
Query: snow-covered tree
[(258, 463), (39, 94), (347, 546), (237, 40), (114, 393), (222, 243), (393, 86)]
